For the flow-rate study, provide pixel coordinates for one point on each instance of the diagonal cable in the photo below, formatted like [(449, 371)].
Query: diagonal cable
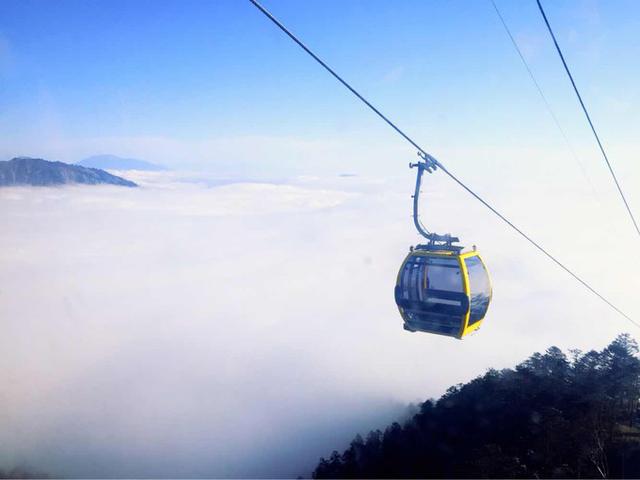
[(445, 170), (545, 101), (586, 113)]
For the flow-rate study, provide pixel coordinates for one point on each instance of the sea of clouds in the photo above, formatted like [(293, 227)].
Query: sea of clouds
[(201, 326)]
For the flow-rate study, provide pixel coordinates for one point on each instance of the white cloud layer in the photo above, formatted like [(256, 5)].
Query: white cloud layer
[(245, 329)]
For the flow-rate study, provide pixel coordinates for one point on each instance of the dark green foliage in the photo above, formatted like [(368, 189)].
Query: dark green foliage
[(550, 417)]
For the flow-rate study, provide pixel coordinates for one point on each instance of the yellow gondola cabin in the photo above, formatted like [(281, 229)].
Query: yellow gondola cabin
[(443, 292)]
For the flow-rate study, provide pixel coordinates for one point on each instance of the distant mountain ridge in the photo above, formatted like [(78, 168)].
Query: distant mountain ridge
[(113, 162), (40, 172)]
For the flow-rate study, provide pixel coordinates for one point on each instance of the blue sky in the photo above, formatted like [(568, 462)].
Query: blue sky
[(153, 79)]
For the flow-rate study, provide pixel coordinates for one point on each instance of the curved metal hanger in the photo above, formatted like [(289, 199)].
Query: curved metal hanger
[(436, 241)]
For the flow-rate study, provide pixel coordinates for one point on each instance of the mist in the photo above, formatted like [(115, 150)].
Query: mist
[(200, 328)]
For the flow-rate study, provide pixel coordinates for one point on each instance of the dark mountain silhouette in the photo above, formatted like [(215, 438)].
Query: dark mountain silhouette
[(118, 163), (552, 416), (21, 473), (39, 172)]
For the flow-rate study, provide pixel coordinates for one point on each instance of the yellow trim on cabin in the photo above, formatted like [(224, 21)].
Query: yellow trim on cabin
[(467, 292)]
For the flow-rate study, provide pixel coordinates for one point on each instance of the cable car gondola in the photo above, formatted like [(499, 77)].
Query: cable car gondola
[(440, 288)]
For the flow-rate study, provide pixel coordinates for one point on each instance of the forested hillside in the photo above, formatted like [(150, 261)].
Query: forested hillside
[(554, 415)]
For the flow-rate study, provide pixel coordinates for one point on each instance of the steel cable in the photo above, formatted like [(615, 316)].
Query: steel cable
[(586, 113), (445, 170)]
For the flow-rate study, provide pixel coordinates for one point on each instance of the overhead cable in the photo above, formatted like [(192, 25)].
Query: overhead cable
[(586, 113), (544, 99), (442, 167)]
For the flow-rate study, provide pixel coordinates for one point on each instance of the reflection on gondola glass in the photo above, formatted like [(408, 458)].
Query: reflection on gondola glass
[(480, 289), (444, 274)]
